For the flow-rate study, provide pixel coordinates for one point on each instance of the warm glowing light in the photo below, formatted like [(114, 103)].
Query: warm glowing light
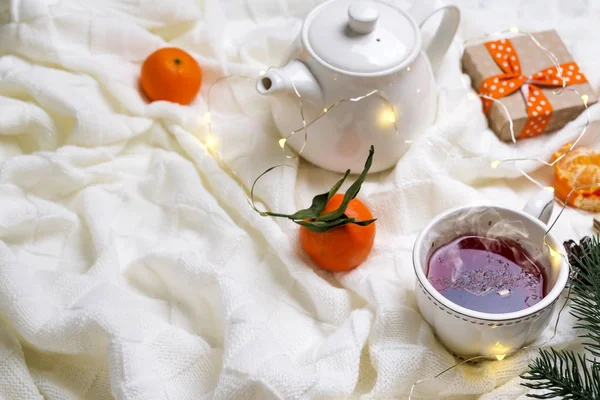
[(408, 68), (282, 142), (211, 143), (514, 29), (335, 77), (325, 110), (549, 188), (554, 253), (584, 97), (418, 90), (261, 73), (499, 351), (207, 118), (471, 96), (408, 141), (387, 117), (496, 163)]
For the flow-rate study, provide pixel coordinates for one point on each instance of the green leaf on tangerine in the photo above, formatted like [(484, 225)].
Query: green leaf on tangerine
[(351, 192), (311, 217)]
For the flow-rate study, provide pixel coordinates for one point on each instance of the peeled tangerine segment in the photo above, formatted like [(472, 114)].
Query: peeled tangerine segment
[(579, 167)]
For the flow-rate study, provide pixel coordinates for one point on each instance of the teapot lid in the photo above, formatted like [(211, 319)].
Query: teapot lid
[(362, 37)]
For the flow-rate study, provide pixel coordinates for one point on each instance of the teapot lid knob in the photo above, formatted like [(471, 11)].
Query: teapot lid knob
[(363, 16), (370, 37)]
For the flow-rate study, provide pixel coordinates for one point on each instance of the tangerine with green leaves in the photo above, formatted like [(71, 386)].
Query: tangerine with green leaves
[(344, 247), (171, 74), (337, 231)]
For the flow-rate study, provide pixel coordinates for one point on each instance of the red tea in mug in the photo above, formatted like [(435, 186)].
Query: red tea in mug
[(492, 275)]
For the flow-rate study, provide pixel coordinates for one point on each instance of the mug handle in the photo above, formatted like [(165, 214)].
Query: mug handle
[(541, 205), (441, 40)]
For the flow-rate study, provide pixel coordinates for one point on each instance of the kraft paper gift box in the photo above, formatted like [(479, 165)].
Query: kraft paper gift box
[(480, 63)]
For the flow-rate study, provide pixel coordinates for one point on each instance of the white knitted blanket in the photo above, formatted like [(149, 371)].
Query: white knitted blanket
[(131, 265)]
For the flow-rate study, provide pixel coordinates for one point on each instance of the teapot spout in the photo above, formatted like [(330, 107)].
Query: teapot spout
[(294, 78)]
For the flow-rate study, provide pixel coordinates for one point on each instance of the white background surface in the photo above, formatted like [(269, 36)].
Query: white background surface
[(131, 265)]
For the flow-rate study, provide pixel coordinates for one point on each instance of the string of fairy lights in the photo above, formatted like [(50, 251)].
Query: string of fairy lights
[(497, 163), (211, 145)]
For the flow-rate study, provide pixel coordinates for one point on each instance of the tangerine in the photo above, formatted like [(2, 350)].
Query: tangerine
[(344, 247), (171, 74), (579, 167)]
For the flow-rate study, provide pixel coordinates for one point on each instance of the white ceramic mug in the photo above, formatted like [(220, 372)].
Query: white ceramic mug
[(467, 332)]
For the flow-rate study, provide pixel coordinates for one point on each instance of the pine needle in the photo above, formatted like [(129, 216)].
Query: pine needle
[(586, 294), (564, 374)]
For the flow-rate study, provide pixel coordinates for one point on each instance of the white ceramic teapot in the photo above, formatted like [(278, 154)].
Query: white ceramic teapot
[(347, 49)]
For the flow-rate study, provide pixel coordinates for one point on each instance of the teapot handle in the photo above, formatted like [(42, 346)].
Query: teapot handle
[(440, 42)]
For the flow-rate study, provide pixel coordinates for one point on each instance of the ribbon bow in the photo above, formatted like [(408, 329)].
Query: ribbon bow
[(539, 109)]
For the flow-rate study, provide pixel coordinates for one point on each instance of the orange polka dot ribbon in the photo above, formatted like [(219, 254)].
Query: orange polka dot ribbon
[(539, 109)]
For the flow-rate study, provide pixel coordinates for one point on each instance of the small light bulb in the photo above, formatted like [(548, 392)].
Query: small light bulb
[(471, 95), (392, 117), (335, 77), (408, 68), (207, 118), (514, 29), (584, 97), (282, 142), (549, 188), (211, 143), (409, 141), (499, 348), (418, 90), (495, 163), (261, 73), (554, 253), (325, 110)]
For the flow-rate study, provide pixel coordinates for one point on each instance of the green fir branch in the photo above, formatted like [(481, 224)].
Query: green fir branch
[(586, 294), (564, 374)]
